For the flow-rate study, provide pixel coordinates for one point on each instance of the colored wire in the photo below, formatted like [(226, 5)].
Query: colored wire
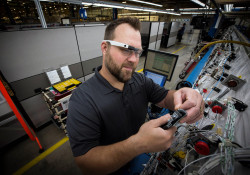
[(186, 158), (218, 80), (221, 41), (196, 161)]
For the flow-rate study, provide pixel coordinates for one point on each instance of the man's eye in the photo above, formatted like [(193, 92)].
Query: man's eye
[(125, 51)]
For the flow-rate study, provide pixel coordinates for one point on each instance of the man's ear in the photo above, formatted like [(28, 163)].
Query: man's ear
[(104, 47)]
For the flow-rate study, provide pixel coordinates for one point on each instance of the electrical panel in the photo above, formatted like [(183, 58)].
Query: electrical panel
[(219, 142)]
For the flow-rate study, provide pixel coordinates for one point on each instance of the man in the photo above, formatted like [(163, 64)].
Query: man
[(181, 32), (106, 113)]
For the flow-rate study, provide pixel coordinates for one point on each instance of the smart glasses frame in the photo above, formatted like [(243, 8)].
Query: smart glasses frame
[(138, 52)]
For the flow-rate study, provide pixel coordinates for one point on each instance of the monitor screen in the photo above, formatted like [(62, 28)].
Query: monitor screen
[(157, 78), (160, 62)]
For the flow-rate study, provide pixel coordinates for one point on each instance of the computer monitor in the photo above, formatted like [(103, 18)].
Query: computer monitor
[(157, 78), (160, 63)]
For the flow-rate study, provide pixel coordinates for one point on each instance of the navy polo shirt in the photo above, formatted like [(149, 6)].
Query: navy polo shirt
[(100, 114)]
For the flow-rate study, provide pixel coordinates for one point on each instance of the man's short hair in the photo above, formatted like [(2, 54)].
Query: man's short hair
[(133, 22)]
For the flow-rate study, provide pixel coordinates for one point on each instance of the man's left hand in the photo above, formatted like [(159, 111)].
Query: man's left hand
[(191, 101)]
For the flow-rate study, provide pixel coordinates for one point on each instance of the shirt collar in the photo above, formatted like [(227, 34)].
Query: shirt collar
[(108, 88)]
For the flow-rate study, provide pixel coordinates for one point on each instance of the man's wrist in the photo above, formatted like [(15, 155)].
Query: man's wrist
[(137, 144)]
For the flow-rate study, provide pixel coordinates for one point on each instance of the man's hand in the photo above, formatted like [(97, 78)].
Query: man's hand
[(191, 101), (109, 158), (152, 138)]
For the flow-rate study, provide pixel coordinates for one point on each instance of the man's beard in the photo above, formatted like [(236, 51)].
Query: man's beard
[(119, 73)]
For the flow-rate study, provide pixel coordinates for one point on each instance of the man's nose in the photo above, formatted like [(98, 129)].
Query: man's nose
[(133, 58)]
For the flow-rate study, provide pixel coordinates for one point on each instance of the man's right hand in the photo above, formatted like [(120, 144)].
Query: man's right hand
[(152, 138), (109, 158)]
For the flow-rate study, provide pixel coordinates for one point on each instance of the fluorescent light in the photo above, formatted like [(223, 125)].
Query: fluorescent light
[(89, 25), (40, 0), (178, 14), (169, 12), (160, 11), (144, 2), (188, 9), (133, 14), (195, 13), (199, 2), (107, 5), (131, 8), (148, 10), (86, 3)]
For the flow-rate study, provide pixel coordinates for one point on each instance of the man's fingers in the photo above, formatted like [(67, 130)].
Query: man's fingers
[(172, 130), (195, 120), (194, 114), (202, 107), (161, 121), (191, 101), (177, 100), (188, 104)]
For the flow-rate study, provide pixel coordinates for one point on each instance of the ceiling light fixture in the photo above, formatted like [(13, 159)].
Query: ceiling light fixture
[(132, 8), (178, 14), (149, 3), (133, 14), (188, 9), (196, 13), (86, 3), (199, 2), (148, 10), (169, 12), (107, 5)]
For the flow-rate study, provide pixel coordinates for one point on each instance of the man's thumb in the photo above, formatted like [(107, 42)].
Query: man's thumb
[(161, 121)]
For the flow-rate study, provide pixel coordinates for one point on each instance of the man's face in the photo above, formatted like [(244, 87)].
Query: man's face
[(122, 72), (117, 63)]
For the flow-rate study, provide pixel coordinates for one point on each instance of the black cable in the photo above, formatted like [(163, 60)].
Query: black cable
[(79, 52)]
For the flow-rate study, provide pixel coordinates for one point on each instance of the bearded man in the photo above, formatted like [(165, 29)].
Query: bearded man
[(106, 117)]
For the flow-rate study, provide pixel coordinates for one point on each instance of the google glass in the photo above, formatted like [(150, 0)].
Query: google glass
[(127, 49)]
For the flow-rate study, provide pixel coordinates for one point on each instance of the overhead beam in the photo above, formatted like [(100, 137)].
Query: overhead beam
[(232, 1), (216, 5)]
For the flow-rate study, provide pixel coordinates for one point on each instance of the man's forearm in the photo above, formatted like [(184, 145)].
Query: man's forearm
[(107, 159)]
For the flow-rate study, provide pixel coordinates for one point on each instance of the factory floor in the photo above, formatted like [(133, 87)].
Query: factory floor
[(24, 156)]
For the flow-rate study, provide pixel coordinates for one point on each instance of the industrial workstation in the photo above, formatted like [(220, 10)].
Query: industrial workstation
[(125, 87)]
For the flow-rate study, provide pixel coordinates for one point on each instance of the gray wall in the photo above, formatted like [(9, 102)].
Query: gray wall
[(145, 27), (89, 39), (159, 35), (28, 53), (155, 35), (173, 33)]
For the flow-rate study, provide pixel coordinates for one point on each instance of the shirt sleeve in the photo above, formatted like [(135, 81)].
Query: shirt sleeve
[(83, 125), (155, 93)]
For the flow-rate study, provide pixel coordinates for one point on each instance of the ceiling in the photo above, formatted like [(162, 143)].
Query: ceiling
[(180, 4), (232, 1), (167, 4)]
